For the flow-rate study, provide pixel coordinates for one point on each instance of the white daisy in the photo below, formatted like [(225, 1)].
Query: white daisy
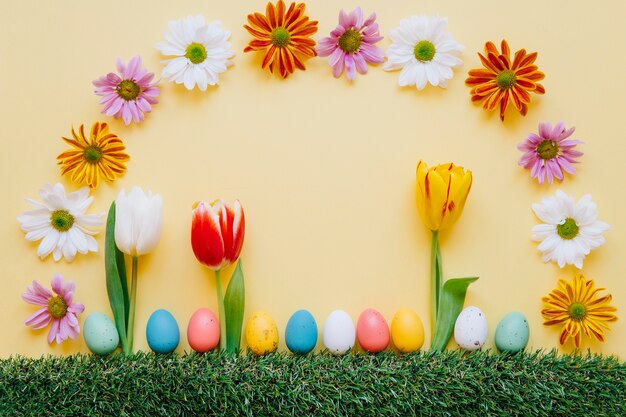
[(424, 51), (569, 231), (202, 52), (61, 222)]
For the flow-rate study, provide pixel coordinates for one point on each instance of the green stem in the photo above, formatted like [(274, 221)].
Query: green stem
[(220, 302), (131, 315), (435, 280)]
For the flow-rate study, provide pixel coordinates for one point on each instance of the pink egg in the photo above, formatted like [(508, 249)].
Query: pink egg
[(372, 331), (203, 331)]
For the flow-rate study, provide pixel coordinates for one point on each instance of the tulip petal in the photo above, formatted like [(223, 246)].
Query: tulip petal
[(150, 224), (123, 223), (238, 231), (206, 236)]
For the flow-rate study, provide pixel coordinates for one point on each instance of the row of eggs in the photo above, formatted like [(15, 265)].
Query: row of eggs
[(338, 335)]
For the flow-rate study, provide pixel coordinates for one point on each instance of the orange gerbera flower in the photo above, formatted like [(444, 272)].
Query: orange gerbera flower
[(102, 155), (282, 35), (575, 305), (502, 81)]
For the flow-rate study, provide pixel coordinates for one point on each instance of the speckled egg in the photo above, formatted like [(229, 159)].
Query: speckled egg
[(261, 333), (372, 331), (339, 334), (512, 333), (470, 329), (100, 334), (301, 332), (162, 332), (407, 330), (203, 331)]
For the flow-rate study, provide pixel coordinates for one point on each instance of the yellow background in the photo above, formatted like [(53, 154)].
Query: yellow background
[(324, 168)]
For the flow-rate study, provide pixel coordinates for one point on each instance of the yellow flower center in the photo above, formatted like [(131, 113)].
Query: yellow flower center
[(128, 90), (506, 79), (196, 53), (577, 311), (61, 220), (280, 37), (424, 51), (57, 307), (547, 150), (93, 154), (568, 230), (350, 41)]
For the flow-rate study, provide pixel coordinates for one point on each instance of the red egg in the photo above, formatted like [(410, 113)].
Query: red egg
[(203, 331), (372, 331)]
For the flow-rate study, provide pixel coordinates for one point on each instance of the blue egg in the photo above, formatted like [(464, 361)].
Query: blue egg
[(162, 332), (301, 332)]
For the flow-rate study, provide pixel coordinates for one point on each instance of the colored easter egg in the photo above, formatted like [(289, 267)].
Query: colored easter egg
[(407, 330), (339, 333), (470, 329), (162, 332), (100, 334), (512, 333), (203, 331), (301, 332), (261, 333), (372, 331)]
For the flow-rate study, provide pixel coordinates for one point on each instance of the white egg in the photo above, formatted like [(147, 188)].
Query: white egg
[(339, 333), (470, 329)]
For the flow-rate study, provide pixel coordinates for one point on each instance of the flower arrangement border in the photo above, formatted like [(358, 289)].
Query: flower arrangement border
[(447, 383)]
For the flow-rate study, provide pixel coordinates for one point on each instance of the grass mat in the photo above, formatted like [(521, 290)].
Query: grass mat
[(422, 384)]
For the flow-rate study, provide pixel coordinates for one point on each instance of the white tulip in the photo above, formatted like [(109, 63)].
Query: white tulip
[(138, 221)]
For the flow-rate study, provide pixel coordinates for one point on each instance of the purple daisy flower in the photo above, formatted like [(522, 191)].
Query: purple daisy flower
[(550, 153), (59, 309), (128, 95), (351, 44)]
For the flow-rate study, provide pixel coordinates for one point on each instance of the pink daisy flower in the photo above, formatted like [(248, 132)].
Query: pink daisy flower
[(351, 44), (58, 309), (128, 95), (550, 153)]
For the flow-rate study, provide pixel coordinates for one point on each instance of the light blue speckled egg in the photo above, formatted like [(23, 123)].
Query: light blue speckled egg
[(162, 332), (301, 332), (512, 333), (100, 334)]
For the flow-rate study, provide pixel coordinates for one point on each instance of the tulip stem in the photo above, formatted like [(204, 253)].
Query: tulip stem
[(220, 302), (435, 280), (131, 314)]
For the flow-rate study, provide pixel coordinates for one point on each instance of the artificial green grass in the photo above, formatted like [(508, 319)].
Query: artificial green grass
[(423, 384)]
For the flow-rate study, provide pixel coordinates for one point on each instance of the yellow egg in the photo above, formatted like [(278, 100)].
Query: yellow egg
[(261, 333), (407, 331)]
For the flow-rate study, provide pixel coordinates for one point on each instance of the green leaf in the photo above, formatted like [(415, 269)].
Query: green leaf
[(234, 303), (121, 268), (118, 292), (451, 302)]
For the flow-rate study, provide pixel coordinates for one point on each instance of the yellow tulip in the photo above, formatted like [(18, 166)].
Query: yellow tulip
[(441, 193)]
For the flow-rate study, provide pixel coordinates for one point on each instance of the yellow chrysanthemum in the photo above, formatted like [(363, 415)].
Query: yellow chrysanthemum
[(575, 305), (101, 155)]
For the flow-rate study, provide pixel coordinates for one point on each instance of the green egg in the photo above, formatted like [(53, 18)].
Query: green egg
[(512, 333), (100, 334)]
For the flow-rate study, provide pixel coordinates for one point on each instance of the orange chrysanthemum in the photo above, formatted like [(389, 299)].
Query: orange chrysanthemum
[(282, 35), (503, 81), (576, 307), (101, 155)]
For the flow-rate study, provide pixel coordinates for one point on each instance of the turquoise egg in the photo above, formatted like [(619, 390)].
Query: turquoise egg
[(301, 332), (162, 332), (100, 334), (512, 333)]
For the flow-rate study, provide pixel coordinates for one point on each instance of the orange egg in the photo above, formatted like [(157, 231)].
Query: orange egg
[(372, 331), (203, 331)]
